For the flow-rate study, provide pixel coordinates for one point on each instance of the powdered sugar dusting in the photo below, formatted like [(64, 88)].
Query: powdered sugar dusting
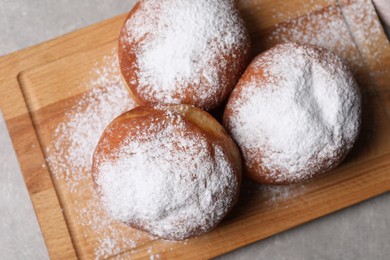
[(273, 195), (301, 118), (365, 27), (77, 137), (166, 178), (70, 157), (185, 43), (337, 28)]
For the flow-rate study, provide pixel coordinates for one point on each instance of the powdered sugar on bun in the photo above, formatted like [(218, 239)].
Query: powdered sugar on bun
[(295, 113), (183, 51), (159, 172)]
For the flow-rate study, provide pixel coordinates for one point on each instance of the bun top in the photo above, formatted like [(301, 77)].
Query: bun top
[(184, 51), (158, 171), (295, 112)]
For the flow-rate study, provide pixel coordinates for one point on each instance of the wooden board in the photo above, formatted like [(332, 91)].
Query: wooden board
[(49, 78)]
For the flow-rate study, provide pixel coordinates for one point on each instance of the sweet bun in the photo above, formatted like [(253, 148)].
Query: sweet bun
[(190, 52), (170, 170), (295, 113)]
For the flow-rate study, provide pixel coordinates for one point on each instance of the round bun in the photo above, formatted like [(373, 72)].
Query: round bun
[(189, 52), (170, 170), (295, 113)]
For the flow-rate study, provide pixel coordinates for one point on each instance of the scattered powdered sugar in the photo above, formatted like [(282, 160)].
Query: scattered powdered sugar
[(326, 29), (301, 118), (272, 195), (185, 43), (365, 27), (165, 178), (77, 137), (153, 257), (336, 27), (70, 156)]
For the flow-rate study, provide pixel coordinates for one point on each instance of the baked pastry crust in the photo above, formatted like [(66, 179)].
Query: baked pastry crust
[(189, 52), (170, 170), (295, 113)]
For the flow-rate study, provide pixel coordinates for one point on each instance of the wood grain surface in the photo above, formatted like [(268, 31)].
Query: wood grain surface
[(39, 85)]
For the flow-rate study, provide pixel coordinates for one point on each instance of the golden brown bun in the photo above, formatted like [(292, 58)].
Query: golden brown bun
[(229, 65), (197, 123), (295, 113)]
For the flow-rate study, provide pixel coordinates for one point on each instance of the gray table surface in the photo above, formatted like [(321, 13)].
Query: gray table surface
[(358, 232)]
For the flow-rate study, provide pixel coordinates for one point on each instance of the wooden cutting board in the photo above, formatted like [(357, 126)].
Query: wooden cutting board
[(41, 84)]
